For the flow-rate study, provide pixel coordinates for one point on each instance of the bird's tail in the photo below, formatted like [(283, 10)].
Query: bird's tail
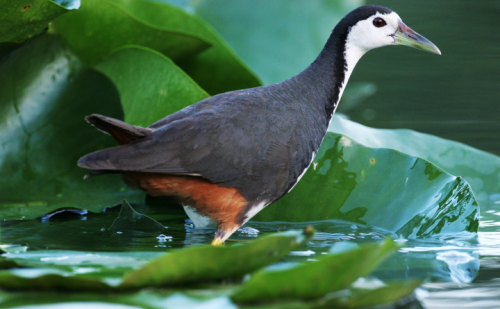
[(99, 162), (122, 132)]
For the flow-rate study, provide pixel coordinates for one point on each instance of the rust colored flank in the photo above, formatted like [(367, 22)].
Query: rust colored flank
[(223, 205)]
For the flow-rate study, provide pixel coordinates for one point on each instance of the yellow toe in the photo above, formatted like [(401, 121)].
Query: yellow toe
[(217, 242)]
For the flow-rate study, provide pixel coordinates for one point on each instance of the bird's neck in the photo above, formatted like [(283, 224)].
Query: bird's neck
[(331, 70)]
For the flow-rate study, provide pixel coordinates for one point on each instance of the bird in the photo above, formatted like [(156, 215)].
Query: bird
[(227, 157)]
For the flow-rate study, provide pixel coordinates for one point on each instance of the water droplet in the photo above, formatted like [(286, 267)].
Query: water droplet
[(164, 238)]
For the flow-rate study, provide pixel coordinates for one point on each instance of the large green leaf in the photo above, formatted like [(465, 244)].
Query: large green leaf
[(93, 32), (217, 69), (196, 264), (151, 86), (45, 94), (370, 185), (100, 26), (312, 280), (23, 19), (278, 38), (479, 168)]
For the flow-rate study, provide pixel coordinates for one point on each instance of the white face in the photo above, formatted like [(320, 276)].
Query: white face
[(374, 32)]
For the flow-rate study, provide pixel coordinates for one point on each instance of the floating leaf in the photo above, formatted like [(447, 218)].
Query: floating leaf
[(100, 26), (46, 92), (23, 19), (6, 263), (278, 38), (216, 69), (312, 280), (369, 185), (479, 168), (207, 263), (129, 219), (362, 298), (151, 86), (9, 281)]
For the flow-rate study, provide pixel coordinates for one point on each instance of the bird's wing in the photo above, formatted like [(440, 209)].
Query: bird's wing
[(216, 139)]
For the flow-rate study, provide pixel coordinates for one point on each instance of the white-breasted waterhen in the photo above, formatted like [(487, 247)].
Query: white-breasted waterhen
[(227, 157)]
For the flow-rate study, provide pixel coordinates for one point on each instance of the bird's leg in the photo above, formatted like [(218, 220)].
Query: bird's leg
[(223, 232)]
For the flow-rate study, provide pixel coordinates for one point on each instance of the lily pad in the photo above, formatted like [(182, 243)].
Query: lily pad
[(9, 281), (46, 92), (100, 26), (93, 33), (363, 298), (129, 219), (23, 19), (312, 280), (217, 69), (479, 168), (151, 86), (369, 185), (208, 263)]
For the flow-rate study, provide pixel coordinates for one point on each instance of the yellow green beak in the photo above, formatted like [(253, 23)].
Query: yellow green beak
[(406, 36)]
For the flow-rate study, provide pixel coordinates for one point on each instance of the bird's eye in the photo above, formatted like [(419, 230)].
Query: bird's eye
[(379, 22)]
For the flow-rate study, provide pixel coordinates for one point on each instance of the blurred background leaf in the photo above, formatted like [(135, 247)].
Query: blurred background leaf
[(151, 86), (100, 26), (278, 38), (217, 69)]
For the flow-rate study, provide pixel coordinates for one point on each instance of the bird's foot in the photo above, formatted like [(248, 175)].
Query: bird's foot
[(218, 242), (223, 232)]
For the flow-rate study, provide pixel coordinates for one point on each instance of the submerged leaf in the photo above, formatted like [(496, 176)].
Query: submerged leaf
[(45, 94), (151, 86), (22, 19), (129, 219), (369, 185), (205, 263), (100, 26), (315, 279)]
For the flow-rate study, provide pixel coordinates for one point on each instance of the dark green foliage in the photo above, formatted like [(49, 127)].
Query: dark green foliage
[(23, 19), (46, 92)]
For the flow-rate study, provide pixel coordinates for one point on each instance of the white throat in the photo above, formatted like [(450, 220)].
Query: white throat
[(352, 54)]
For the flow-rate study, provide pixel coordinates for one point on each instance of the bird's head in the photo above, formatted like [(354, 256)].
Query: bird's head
[(372, 26)]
